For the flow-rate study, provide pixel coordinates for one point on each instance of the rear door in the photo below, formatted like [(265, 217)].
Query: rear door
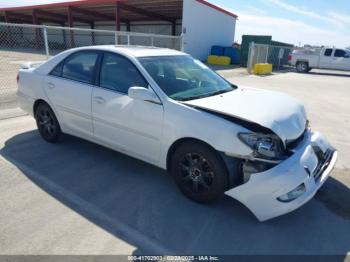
[(326, 58), (69, 89), (341, 60)]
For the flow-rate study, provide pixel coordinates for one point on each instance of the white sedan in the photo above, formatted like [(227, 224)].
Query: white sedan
[(170, 110)]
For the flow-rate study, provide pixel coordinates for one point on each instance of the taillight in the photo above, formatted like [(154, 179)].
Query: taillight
[(289, 57), (17, 78)]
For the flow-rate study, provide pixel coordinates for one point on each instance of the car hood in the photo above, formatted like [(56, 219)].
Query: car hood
[(280, 113)]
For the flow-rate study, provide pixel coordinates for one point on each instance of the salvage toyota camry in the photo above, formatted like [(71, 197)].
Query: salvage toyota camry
[(170, 110)]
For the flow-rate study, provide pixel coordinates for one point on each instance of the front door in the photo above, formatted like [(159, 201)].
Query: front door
[(341, 60), (128, 125)]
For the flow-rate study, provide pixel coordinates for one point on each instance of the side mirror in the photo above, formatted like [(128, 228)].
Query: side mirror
[(143, 94)]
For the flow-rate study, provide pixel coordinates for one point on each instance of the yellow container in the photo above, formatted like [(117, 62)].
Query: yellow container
[(262, 69), (219, 60)]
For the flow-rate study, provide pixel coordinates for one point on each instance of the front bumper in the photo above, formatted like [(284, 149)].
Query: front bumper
[(306, 166)]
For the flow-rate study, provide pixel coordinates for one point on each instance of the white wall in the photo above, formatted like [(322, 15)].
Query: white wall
[(204, 28)]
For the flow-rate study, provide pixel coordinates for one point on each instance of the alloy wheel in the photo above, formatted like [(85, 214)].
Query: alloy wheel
[(46, 122), (197, 174)]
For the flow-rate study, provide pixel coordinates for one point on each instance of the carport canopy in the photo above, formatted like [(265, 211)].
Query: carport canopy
[(91, 11)]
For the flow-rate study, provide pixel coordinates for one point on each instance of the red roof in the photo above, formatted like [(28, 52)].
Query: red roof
[(92, 2), (217, 8), (60, 4)]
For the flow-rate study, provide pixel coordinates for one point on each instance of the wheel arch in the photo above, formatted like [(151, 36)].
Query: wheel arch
[(229, 162), (180, 142), (37, 103), (302, 61)]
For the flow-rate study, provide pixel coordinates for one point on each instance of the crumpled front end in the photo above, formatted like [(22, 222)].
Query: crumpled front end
[(291, 183)]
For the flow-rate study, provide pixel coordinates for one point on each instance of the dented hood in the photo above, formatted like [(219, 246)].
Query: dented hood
[(282, 114)]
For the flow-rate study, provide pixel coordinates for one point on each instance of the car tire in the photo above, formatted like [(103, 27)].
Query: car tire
[(302, 67), (47, 123), (199, 172)]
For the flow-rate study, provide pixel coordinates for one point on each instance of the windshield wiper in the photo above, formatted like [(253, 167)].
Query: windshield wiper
[(203, 95), (189, 98), (219, 92)]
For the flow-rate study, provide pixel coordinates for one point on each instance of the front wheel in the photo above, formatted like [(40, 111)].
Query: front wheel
[(47, 123), (199, 172)]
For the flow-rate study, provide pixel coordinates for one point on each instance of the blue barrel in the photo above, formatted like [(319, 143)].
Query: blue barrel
[(217, 50), (233, 53)]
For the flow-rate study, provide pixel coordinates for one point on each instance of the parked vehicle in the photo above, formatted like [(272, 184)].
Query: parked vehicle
[(325, 58), (170, 110)]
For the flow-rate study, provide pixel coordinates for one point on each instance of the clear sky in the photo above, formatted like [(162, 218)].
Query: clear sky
[(319, 22)]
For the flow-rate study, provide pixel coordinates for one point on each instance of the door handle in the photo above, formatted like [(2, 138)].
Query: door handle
[(99, 100), (51, 85)]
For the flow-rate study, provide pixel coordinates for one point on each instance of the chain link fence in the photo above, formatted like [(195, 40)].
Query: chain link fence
[(275, 55), (21, 43)]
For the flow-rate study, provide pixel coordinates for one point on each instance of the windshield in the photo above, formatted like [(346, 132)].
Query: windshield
[(184, 78)]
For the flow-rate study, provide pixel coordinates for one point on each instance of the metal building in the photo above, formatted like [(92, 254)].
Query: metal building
[(200, 23)]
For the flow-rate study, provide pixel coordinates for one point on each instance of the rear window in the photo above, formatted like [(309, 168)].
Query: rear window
[(80, 67), (57, 71), (328, 52)]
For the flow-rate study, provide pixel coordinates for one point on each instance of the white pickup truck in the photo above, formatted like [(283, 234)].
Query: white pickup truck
[(325, 58)]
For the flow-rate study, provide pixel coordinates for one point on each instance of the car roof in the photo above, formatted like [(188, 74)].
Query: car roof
[(136, 51)]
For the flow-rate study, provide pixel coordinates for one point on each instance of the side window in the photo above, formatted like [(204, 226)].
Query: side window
[(57, 71), (80, 67), (339, 53), (328, 52), (119, 74)]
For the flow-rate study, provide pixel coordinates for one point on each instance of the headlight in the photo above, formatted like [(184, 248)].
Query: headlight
[(267, 146)]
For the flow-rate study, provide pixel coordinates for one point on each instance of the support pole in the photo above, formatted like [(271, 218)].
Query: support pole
[(117, 16), (37, 30), (116, 38), (173, 28), (70, 24), (9, 32), (92, 26), (128, 26), (64, 36), (173, 32)]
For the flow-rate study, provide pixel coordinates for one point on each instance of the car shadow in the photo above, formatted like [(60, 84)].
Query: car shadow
[(324, 73), (115, 191)]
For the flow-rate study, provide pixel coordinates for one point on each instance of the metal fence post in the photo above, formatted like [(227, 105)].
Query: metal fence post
[(267, 54), (128, 39), (251, 53), (152, 40), (258, 54), (47, 51)]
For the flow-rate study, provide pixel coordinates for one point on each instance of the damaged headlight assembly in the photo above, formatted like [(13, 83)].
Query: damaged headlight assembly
[(267, 148)]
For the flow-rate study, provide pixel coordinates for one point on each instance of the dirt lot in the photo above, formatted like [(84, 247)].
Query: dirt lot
[(80, 198), (9, 65)]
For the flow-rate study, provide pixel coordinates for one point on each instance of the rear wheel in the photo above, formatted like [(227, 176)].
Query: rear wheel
[(199, 172), (47, 123), (302, 67)]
